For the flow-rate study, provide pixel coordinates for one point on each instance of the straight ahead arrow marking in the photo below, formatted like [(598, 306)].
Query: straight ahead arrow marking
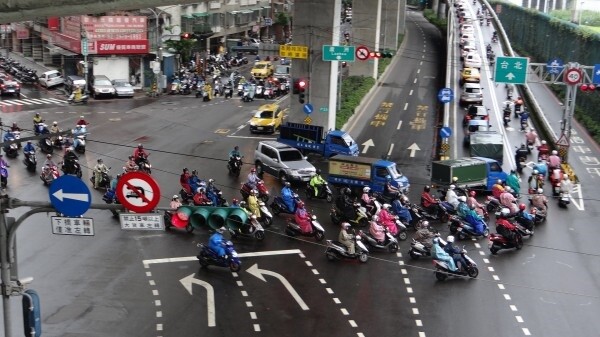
[(367, 145)]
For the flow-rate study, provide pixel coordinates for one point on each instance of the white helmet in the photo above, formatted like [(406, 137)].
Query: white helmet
[(386, 206), (175, 196), (345, 225), (424, 224), (540, 190), (366, 189), (450, 238), (554, 152), (462, 198), (508, 189), (375, 218), (543, 142), (221, 230), (505, 212), (452, 187), (536, 172)]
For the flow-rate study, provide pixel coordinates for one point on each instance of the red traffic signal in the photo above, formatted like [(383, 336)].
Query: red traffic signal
[(302, 84), (186, 36)]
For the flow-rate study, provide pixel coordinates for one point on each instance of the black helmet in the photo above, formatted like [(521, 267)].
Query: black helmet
[(236, 148), (99, 160), (348, 191), (194, 172), (185, 169), (427, 188), (318, 171)]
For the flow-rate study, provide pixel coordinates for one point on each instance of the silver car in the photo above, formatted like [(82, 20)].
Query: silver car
[(283, 162), (122, 88), (101, 86)]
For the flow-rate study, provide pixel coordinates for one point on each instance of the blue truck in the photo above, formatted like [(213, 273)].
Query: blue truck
[(358, 172), (312, 138), (472, 172)]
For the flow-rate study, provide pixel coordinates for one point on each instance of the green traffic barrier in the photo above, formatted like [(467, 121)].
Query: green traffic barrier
[(213, 217)]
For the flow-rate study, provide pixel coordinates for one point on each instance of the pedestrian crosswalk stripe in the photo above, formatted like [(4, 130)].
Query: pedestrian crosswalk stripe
[(31, 101)]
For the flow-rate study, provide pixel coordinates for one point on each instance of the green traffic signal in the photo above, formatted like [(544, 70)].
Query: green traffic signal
[(213, 217)]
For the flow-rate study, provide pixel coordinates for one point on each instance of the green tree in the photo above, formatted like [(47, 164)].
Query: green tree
[(182, 47)]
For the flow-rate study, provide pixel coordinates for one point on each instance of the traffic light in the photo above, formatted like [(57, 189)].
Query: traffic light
[(386, 54), (187, 36), (302, 86), (214, 217)]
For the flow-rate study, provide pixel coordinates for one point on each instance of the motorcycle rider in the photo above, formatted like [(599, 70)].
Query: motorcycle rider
[(376, 230), (235, 203), (77, 93), (345, 203), (346, 238), (455, 253), (140, 155), (541, 167), (524, 118), (130, 165), (54, 129), (3, 163), (200, 198), (554, 160), (400, 208), (387, 219), (69, 161), (543, 149), (253, 203), (8, 136), (505, 227), (195, 181), (424, 235), (14, 127), (175, 203), (497, 189), (472, 203), (566, 185), (390, 191), (216, 242), (367, 200), (514, 182), (521, 157), (28, 148), (114, 182), (518, 104), (233, 154), (440, 254), (78, 131), (428, 201), (539, 200), (287, 195), (37, 119), (534, 181), (317, 182), (302, 218), (212, 192), (508, 200), (462, 209), (451, 197), (253, 179), (99, 170), (48, 162), (524, 218), (184, 179), (82, 121), (531, 136)]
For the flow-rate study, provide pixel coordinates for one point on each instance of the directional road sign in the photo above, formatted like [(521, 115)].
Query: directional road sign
[(362, 53), (72, 226), (308, 108), (596, 75), (138, 192), (555, 66), (338, 53), (445, 132), (511, 70), (293, 51), (70, 196), (445, 95)]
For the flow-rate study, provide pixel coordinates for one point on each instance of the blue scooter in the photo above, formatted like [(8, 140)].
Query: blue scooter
[(208, 257)]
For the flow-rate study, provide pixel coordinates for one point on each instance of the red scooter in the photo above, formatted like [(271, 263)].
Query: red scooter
[(263, 193)]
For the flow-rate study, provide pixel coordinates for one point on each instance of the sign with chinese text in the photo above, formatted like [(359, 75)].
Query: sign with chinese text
[(338, 53), (142, 221), (107, 27), (72, 226), (108, 47), (293, 51), (511, 70), (350, 170)]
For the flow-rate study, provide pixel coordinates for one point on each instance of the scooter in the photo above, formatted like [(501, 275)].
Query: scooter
[(278, 205), (207, 257), (80, 148), (83, 100), (261, 188), (76, 169), (104, 182), (3, 176), (493, 205), (186, 197), (539, 215), (442, 271), (40, 128), (390, 243), (45, 145), (144, 166), (228, 91), (564, 199), (253, 229), (338, 251), (12, 150), (168, 216), (498, 242), (442, 214), (325, 192), (235, 166), (266, 218), (418, 249), (49, 174), (457, 227), (293, 229), (30, 161), (529, 147), (359, 218)]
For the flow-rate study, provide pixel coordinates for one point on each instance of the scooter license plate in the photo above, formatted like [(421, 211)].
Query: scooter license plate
[(259, 128), (459, 229), (490, 244)]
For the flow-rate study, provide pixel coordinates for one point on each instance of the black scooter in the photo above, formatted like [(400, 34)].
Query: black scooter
[(324, 192)]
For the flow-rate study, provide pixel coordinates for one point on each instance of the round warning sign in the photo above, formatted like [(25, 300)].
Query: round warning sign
[(138, 192)]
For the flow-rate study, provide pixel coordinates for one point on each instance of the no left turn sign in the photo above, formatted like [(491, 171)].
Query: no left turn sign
[(573, 76)]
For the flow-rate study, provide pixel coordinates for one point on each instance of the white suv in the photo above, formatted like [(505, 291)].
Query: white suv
[(282, 161)]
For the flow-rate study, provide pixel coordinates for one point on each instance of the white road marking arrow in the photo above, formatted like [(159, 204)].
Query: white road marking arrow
[(413, 149), (74, 196), (367, 145), (210, 295), (577, 197), (254, 270)]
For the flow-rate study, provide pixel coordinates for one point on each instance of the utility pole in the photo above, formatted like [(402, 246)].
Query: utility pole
[(84, 51)]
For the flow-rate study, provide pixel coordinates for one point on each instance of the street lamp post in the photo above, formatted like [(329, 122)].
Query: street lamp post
[(159, 56), (580, 12)]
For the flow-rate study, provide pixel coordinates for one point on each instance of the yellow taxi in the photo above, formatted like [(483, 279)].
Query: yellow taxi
[(262, 69), (267, 119), (471, 75)]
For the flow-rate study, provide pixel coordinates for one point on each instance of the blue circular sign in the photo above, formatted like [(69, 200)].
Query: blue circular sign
[(70, 196), (445, 95), (445, 132), (308, 108)]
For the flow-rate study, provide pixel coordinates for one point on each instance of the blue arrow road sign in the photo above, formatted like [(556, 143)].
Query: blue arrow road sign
[(70, 196), (445, 132), (596, 77), (308, 108), (555, 66), (445, 95)]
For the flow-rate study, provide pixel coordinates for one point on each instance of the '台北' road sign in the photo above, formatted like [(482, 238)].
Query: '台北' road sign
[(338, 53), (511, 70), (70, 195), (138, 192)]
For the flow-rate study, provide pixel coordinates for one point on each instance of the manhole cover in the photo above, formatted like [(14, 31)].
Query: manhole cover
[(168, 103)]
